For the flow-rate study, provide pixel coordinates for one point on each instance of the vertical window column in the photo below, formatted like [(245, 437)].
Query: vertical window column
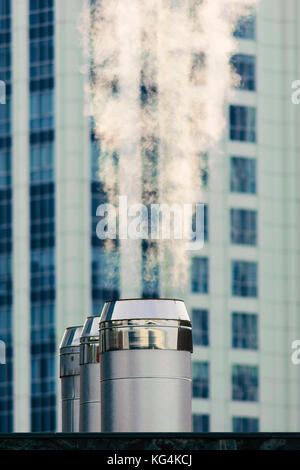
[(6, 246), (104, 265), (42, 216)]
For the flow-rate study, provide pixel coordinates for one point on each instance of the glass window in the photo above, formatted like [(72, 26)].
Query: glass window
[(200, 320), (243, 175), (200, 379), (200, 281), (242, 123), (204, 170), (42, 215), (243, 226), (41, 162), (200, 423), (95, 152), (244, 331), (243, 424), (150, 269), (245, 67), (6, 370), (204, 219), (6, 241), (245, 383), (244, 279), (246, 27), (104, 287)]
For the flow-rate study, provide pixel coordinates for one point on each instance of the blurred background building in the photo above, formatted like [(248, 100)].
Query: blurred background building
[(244, 286)]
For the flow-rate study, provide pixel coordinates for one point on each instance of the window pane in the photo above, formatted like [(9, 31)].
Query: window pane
[(243, 175), (200, 379), (243, 424), (243, 226), (6, 232), (246, 28), (204, 221), (245, 67), (245, 383), (200, 321), (244, 279), (200, 423), (200, 282), (42, 216), (244, 331), (242, 123)]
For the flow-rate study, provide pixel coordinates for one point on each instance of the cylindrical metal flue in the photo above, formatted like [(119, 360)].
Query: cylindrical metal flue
[(70, 381), (90, 377), (145, 355)]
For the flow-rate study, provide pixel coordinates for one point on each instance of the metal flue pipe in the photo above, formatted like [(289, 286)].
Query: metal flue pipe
[(70, 381), (90, 377), (145, 355)]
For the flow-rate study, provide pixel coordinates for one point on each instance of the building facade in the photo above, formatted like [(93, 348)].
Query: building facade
[(243, 294), (244, 299)]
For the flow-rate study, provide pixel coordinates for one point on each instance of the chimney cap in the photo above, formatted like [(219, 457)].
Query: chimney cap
[(71, 337), (90, 330), (127, 309)]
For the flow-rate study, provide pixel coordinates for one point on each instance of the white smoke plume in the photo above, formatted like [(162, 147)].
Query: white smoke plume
[(160, 76)]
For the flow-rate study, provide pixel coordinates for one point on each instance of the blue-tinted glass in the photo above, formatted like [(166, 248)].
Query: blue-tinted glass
[(243, 175), (242, 123), (244, 279), (245, 383), (245, 424), (201, 423), (200, 319), (205, 221), (245, 67), (42, 215), (200, 379), (105, 263), (246, 27), (200, 275), (150, 270), (6, 246), (244, 331), (243, 226)]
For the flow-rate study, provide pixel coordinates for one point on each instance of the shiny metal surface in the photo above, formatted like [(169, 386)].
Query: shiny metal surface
[(125, 309), (90, 377), (89, 341), (90, 330), (90, 414), (145, 334), (146, 391), (70, 392), (71, 337), (145, 355), (89, 353), (70, 380)]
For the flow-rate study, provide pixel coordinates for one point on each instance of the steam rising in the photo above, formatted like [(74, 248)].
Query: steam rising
[(160, 75)]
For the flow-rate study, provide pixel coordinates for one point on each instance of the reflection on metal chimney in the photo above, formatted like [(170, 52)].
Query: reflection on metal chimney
[(69, 374), (145, 355), (90, 377)]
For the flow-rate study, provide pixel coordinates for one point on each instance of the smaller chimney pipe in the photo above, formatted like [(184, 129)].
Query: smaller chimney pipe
[(70, 382), (90, 377)]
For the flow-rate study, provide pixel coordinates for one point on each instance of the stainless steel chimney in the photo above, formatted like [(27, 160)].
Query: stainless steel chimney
[(145, 355), (90, 377), (69, 374)]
